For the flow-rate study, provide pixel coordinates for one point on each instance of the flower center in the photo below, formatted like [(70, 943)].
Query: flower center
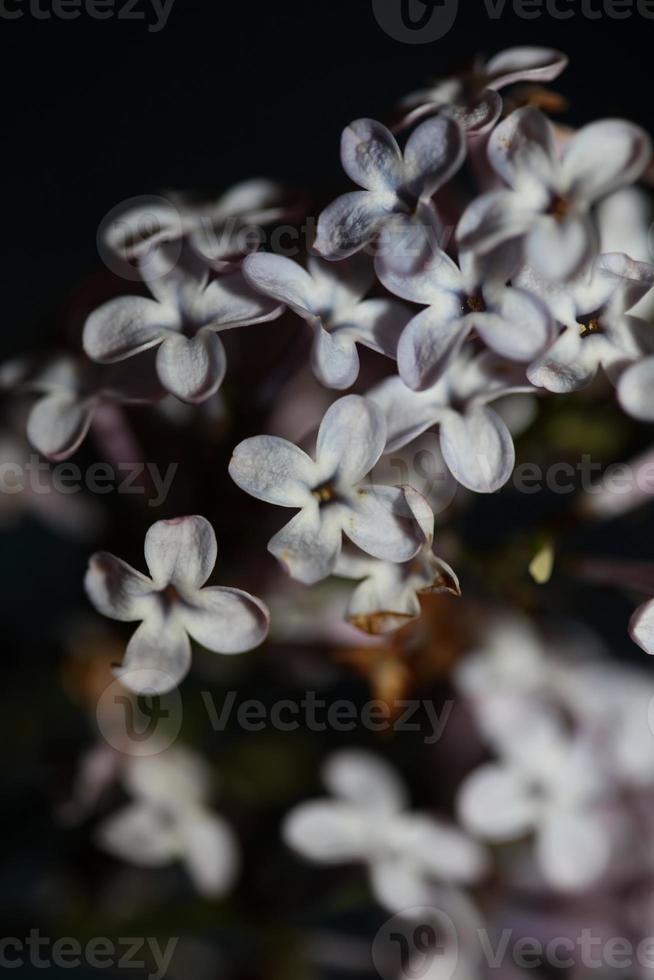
[(475, 303), (589, 325), (559, 208), (324, 493)]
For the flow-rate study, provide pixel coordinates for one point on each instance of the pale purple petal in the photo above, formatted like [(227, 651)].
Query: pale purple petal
[(478, 448), (274, 470), (125, 326), (192, 368), (561, 249), (569, 364), (522, 148), (603, 156), (573, 849), (365, 780), (434, 151), (158, 657), (429, 345), (382, 524), (58, 424), (350, 439), (230, 301), (636, 390), (327, 831), (493, 218), (371, 156), (518, 325), (438, 281), (641, 626), (408, 413), (350, 222), (282, 279), (377, 323), (181, 552), (495, 802), (225, 620), (334, 358), (522, 64), (140, 834), (209, 851), (309, 545), (117, 590)]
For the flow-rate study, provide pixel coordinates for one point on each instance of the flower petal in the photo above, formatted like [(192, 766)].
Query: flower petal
[(371, 156), (230, 301), (493, 218), (181, 552), (365, 780), (573, 849), (192, 368), (478, 448), (158, 657), (428, 346), (522, 148), (117, 590), (309, 545), (274, 470), (141, 835), (58, 424), (440, 848), (334, 358), (327, 831), (350, 222), (636, 392), (209, 851), (495, 802), (522, 64), (434, 151), (408, 413), (125, 326), (603, 156), (350, 439), (569, 364), (383, 525), (226, 620), (641, 626), (436, 282), (377, 324), (281, 278), (561, 249), (519, 326)]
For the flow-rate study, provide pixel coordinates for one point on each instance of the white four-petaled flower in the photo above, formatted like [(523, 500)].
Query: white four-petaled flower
[(173, 604)]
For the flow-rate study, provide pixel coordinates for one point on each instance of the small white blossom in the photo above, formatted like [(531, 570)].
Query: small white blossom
[(331, 299), (183, 321), (168, 820), (173, 604), (472, 97), (396, 184), (368, 821), (329, 492), (550, 194)]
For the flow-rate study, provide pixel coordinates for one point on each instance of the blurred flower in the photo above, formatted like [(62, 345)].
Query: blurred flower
[(180, 555)]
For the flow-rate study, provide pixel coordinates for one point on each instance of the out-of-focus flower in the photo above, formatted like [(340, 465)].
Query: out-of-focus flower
[(169, 820), (406, 853), (472, 97), (476, 444), (73, 389), (549, 196), (331, 299), (510, 321), (395, 183), (182, 321), (172, 604), (636, 389), (598, 330), (386, 598), (549, 783), (330, 494)]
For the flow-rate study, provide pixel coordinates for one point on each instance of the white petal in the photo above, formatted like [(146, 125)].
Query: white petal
[(443, 850), (641, 627), (478, 448), (408, 413), (398, 883), (524, 64), (371, 156), (117, 590), (573, 849), (434, 151), (407, 242), (428, 346), (518, 326), (341, 285), (365, 780), (158, 657), (140, 834), (569, 364), (350, 222), (309, 545), (382, 524), (226, 620), (493, 218), (181, 552), (192, 368), (230, 301), (495, 802), (350, 439), (281, 278), (522, 148), (561, 249), (636, 391), (209, 851), (438, 281), (126, 325), (327, 831), (334, 359), (58, 424), (274, 470), (377, 324), (603, 156)]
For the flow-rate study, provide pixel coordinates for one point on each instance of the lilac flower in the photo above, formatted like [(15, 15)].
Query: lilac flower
[(395, 184), (472, 97), (182, 322), (476, 443), (510, 321), (72, 390), (331, 299), (406, 853), (329, 492), (168, 820), (173, 605), (636, 390), (547, 203), (598, 330)]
